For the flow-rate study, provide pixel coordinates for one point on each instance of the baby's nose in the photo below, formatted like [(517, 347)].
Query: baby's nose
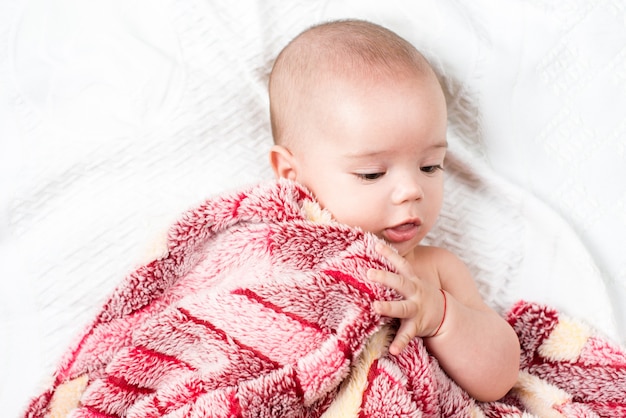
[(408, 189)]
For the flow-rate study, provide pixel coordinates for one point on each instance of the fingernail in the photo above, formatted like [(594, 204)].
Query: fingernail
[(373, 274)]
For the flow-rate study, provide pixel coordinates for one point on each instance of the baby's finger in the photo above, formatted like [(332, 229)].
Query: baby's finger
[(396, 260), (400, 309), (405, 334), (405, 287)]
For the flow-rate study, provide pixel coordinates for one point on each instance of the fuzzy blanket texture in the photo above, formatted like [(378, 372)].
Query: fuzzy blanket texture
[(259, 307)]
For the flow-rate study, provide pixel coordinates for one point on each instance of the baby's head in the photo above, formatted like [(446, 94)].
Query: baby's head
[(352, 50), (358, 116)]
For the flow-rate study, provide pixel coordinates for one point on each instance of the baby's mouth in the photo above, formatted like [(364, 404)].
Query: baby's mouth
[(402, 232)]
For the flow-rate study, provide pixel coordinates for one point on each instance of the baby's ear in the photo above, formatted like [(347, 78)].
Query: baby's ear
[(283, 162)]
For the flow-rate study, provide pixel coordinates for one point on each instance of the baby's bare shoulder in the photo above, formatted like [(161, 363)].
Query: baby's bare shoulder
[(453, 274), (433, 264), (427, 253)]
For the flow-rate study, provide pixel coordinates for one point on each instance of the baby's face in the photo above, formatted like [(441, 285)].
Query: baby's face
[(374, 156)]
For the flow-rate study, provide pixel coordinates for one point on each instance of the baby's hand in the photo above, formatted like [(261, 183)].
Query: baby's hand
[(421, 309)]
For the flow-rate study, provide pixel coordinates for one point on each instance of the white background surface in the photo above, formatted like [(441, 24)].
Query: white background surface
[(116, 116)]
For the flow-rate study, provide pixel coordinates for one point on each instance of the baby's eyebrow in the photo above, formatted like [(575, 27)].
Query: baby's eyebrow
[(362, 154), (365, 154)]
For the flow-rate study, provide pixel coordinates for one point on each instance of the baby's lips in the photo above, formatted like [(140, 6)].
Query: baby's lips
[(401, 233)]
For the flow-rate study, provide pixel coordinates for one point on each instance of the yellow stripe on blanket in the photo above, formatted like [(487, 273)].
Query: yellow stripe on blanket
[(67, 397), (350, 396), (566, 341), (539, 397)]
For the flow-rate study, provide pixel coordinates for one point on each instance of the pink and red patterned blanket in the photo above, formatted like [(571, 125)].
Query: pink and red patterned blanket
[(260, 308)]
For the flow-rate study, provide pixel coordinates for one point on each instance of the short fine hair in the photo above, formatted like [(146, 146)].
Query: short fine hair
[(353, 48)]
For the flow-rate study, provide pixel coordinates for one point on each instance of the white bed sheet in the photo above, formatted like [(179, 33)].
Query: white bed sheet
[(116, 116)]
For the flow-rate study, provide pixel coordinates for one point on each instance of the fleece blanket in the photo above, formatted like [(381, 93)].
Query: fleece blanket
[(259, 306)]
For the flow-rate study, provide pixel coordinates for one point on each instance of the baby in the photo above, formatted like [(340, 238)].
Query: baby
[(359, 117)]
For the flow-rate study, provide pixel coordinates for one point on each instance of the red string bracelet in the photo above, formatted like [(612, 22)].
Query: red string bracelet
[(443, 318)]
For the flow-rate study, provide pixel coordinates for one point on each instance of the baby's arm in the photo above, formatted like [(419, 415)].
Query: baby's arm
[(475, 346)]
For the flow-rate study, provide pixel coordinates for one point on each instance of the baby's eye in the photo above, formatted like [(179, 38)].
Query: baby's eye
[(430, 169), (369, 176)]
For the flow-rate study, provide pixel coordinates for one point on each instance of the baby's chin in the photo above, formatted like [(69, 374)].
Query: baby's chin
[(404, 252), (403, 248)]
